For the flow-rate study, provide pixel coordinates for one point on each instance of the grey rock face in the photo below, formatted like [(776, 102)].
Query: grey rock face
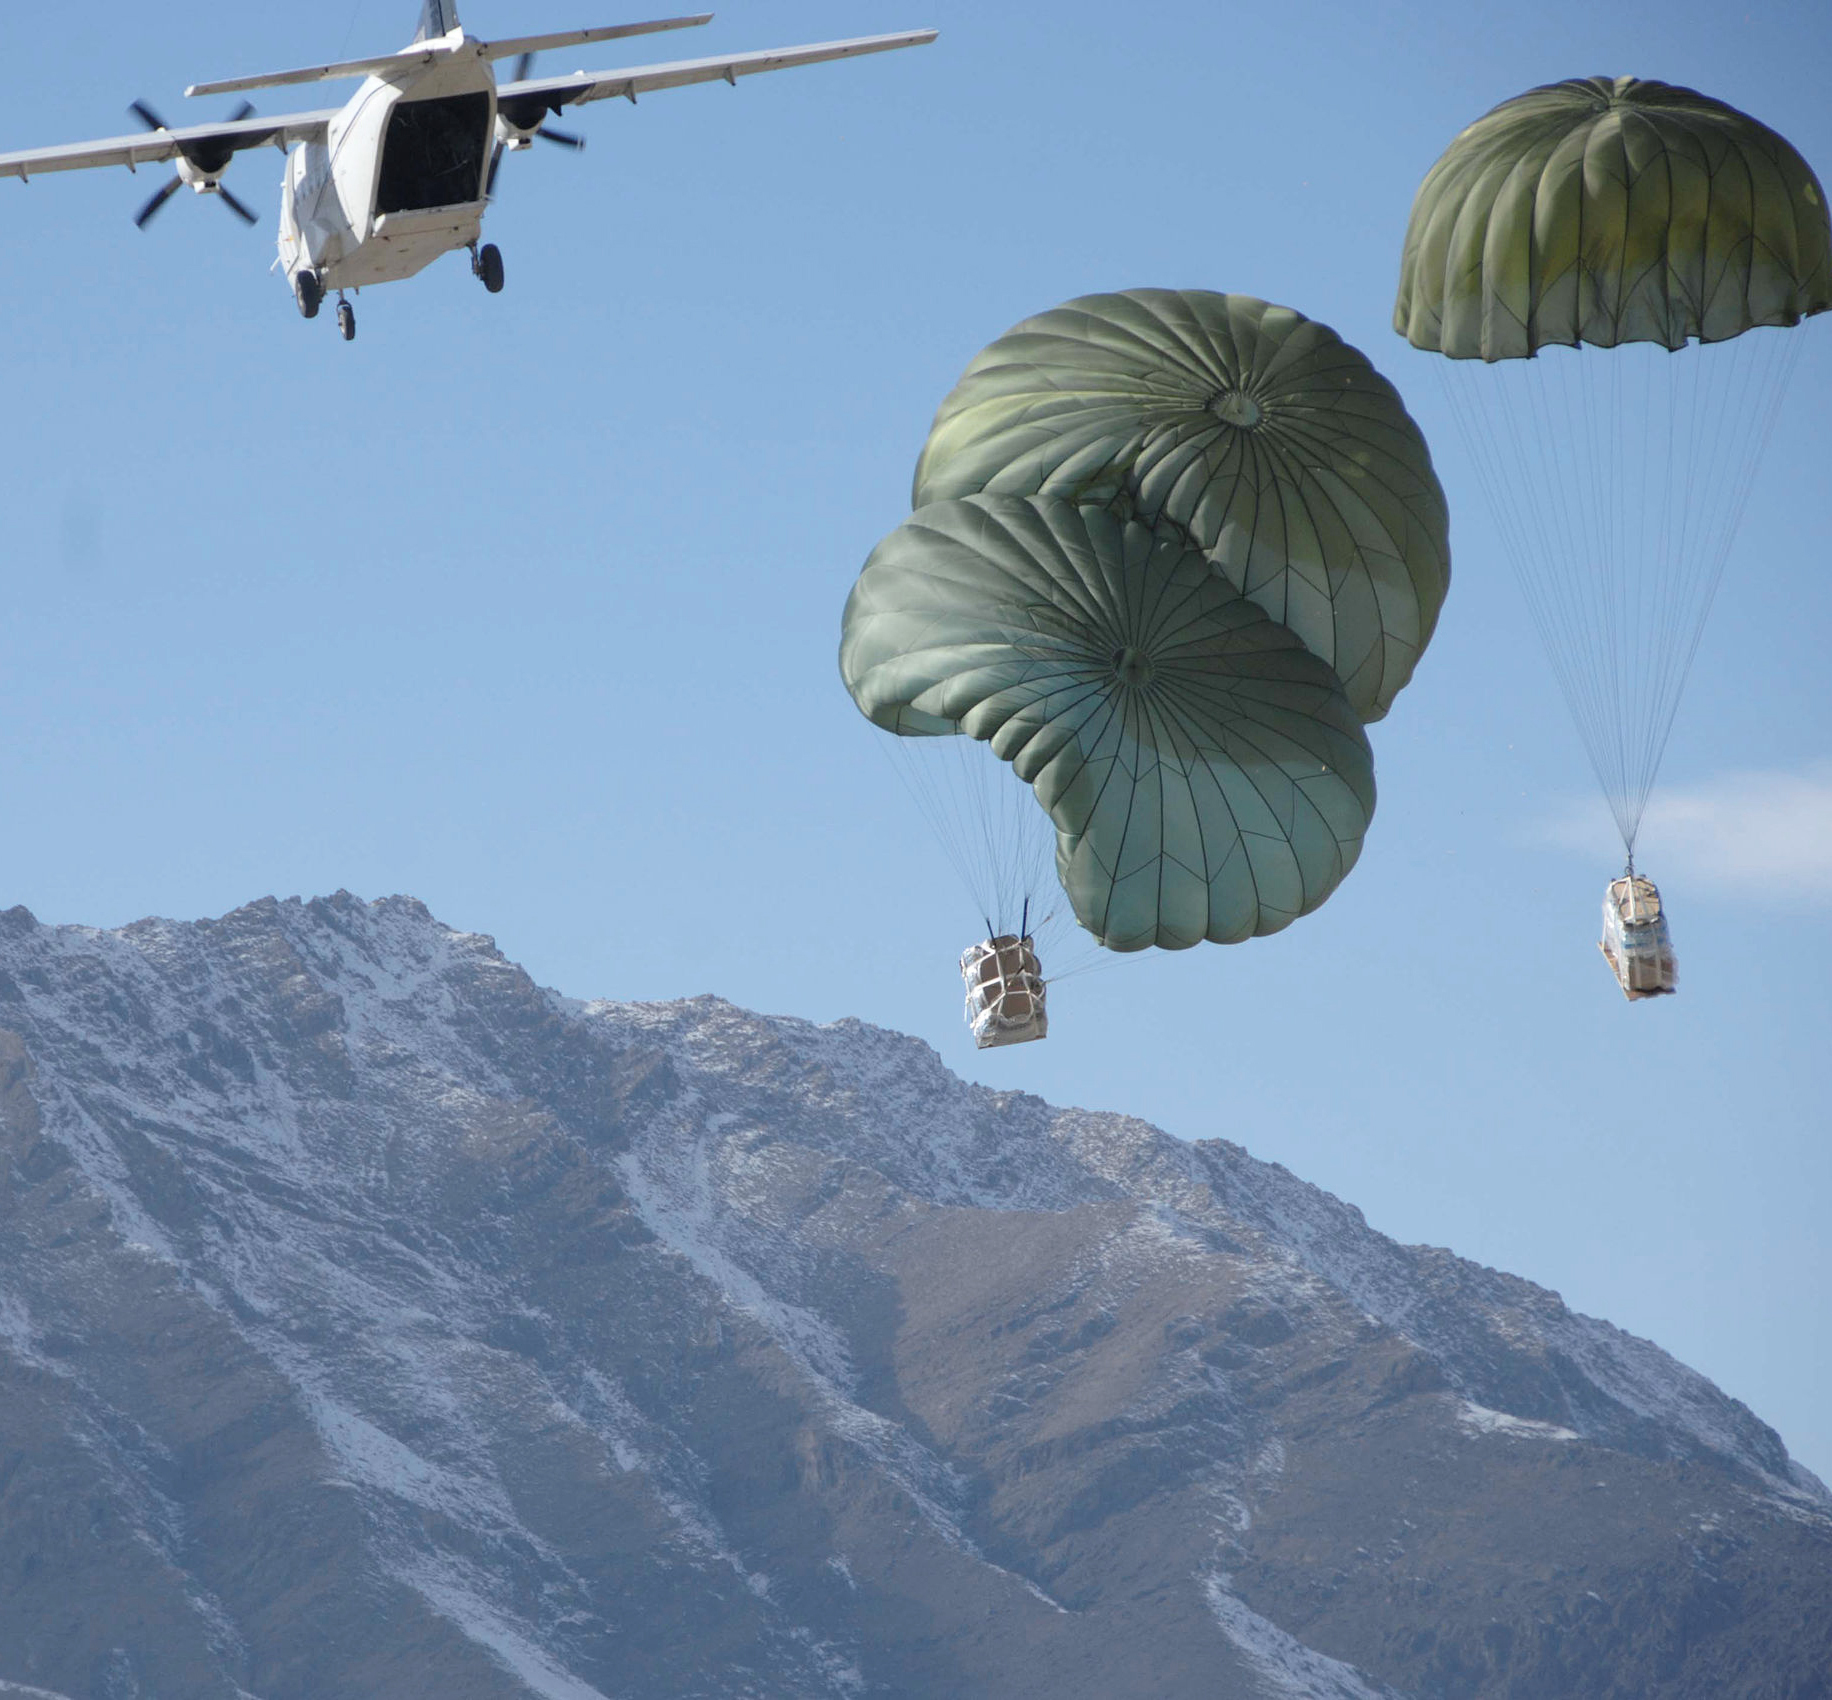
[(376, 1324)]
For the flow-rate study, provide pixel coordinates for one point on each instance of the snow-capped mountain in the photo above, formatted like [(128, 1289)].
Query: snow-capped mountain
[(374, 1323)]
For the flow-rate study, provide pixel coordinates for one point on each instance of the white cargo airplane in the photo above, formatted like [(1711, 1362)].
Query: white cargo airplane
[(381, 187)]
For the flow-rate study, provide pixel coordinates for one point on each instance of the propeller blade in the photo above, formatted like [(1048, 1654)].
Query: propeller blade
[(236, 207), (523, 66), (565, 138), (144, 216), (496, 165), (153, 121)]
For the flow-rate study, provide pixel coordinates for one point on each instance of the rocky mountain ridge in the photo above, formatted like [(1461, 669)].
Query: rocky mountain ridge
[(374, 1322)]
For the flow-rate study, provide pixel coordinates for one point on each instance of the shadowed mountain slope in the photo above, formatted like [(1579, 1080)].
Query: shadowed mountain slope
[(374, 1323)]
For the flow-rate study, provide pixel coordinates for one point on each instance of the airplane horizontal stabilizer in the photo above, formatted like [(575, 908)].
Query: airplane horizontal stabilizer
[(424, 53), (410, 59)]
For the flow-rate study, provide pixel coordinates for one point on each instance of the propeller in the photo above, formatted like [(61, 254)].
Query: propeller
[(145, 215), (547, 133), (205, 158)]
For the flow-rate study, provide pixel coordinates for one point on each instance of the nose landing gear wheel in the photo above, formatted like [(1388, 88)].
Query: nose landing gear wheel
[(488, 265), (309, 293), (346, 320)]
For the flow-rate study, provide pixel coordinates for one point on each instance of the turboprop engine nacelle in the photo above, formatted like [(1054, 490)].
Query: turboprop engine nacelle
[(516, 136), (205, 179), (520, 121)]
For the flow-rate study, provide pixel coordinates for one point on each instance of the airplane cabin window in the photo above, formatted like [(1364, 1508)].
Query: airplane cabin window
[(435, 153)]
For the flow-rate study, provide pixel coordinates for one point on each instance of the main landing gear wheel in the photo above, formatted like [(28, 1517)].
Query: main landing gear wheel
[(488, 265), (346, 320), (309, 293)]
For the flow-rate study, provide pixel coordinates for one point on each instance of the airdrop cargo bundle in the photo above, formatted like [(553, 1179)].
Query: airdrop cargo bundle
[(1635, 939), (1005, 991)]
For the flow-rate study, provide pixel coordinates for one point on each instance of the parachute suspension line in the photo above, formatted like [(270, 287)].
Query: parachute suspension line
[(998, 841), (916, 772), (954, 784), (1566, 462), (1739, 388), (1617, 480), (1560, 457), (1760, 378), (1516, 468)]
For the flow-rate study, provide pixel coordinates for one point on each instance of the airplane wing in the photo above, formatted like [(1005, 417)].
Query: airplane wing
[(151, 147), (552, 93), (427, 52)]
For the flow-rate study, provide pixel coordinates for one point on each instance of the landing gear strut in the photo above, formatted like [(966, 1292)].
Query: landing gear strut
[(346, 319), (487, 264), (308, 291)]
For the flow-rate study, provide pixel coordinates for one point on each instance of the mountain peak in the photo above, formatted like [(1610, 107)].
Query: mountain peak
[(377, 1322)]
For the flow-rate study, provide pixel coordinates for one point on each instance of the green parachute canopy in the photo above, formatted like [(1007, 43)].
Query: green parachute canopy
[(1206, 774), (1613, 268), (1610, 210), (1171, 550), (1276, 447)]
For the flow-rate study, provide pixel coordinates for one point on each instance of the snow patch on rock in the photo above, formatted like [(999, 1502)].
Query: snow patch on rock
[(1285, 1664), (460, 1602), (1481, 1420)]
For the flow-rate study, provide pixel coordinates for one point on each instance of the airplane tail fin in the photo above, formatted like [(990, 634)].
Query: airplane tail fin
[(438, 18)]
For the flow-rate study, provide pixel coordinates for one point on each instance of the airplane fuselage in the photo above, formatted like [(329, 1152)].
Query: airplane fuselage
[(398, 179), (401, 173)]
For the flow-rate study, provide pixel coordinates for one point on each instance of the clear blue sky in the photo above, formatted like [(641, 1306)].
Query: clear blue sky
[(528, 605)]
